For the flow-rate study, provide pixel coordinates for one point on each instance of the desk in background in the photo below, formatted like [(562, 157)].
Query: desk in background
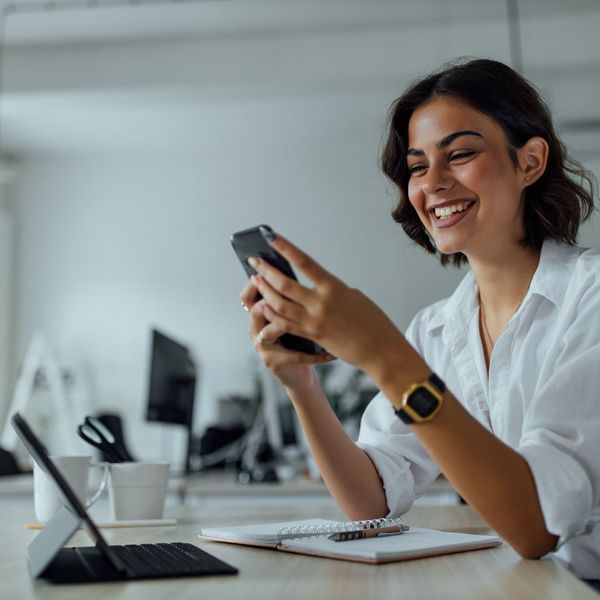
[(218, 487), (222, 487)]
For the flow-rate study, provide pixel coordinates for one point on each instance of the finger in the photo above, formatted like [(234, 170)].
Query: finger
[(278, 356), (261, 331), (291, 311), (258, 319), (299, 328), (290, 288), (267, 336), (281, 357), (299, 259), (249, 295)]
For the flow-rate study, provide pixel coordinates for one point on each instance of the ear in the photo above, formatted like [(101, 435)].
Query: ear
[(532, 157)]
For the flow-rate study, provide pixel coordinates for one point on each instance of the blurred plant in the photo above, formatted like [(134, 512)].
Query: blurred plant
[(343, 390)]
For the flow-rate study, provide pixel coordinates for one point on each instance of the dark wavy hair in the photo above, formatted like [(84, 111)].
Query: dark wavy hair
[(554, 206)]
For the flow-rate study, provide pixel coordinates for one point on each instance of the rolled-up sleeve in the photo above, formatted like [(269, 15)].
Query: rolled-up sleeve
[(560, 439), (404, 465)]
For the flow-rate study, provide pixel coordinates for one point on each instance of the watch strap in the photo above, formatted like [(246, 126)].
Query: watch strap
[(404, 417), (437, 382)]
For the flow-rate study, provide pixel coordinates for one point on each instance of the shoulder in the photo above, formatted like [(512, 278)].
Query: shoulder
[(575, 258), (569, 279), (587, 265), (575, 273), (582, 293)]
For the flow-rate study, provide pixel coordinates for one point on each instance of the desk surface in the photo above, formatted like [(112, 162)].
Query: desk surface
[(267, 574)]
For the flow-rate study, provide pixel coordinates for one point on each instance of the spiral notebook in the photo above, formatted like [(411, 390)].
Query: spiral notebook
[(311, 537)]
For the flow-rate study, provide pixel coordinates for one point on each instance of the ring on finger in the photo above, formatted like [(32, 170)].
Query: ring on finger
[(245, 307), (260, 339)]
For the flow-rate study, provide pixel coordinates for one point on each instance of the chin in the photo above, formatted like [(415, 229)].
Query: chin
[(447, 247)]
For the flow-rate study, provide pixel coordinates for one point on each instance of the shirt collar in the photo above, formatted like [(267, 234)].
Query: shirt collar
[(458, 307), (554, 271), (549, 281)]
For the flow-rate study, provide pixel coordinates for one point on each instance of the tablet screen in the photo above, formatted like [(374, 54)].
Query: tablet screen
[(40, 455)]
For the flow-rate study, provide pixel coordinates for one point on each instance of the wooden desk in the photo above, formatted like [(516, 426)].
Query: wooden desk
[(266, 574)]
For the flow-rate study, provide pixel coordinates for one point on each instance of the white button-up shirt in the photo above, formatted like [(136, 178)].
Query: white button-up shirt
[(541, 396)]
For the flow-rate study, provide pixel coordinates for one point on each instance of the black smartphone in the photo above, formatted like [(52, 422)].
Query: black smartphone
[(251, 242)]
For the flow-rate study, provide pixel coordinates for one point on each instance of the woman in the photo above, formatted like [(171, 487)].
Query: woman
[(497, 386)]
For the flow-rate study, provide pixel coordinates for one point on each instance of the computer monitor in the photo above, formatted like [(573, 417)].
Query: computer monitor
[(172, 386)]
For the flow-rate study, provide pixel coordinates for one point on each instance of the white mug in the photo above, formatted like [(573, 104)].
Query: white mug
[(46, 496), (137, 490)]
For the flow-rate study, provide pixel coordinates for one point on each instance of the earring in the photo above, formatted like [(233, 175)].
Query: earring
[(527, 178)]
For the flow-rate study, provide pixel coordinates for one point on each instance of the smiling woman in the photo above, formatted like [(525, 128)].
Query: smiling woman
[(502, 103), (496, 386), (471, 174)]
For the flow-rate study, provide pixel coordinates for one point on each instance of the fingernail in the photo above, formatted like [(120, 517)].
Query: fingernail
[(268, 233), (253, 262), (330, 357)]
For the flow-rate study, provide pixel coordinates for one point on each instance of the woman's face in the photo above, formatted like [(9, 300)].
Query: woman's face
[(463, 183)]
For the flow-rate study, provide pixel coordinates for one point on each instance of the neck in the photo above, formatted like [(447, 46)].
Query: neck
[(503, 279)]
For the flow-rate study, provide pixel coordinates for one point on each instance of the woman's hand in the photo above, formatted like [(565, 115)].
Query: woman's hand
[(341, 319), (346, 469), (292, 369)]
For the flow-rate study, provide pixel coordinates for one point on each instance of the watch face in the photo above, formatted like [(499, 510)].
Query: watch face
[(423, 402)]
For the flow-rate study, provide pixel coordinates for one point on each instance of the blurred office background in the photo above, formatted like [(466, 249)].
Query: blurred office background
[(137, 136)]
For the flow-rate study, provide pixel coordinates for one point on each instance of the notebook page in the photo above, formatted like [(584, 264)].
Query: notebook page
[(411, 544)]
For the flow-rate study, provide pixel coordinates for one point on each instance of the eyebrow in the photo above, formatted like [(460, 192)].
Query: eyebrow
[(445, 141)]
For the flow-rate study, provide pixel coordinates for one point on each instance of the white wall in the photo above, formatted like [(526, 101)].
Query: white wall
[(132, 180), (110, 246), (6, 289)]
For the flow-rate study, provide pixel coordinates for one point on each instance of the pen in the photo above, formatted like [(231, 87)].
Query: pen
[(359, 534)]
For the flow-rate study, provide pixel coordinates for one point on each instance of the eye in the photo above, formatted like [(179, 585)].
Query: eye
[(462, 154), (416, 169)]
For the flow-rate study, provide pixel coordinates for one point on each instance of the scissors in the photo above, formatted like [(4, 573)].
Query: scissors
[(94, 432)]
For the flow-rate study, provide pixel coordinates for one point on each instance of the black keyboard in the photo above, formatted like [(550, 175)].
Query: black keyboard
[(164, 560)]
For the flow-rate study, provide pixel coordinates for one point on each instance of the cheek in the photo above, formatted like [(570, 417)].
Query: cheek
[(484, 177), (416, 197), (417, 201)]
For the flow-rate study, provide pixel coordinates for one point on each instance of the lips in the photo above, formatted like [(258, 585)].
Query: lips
[(450, 213)]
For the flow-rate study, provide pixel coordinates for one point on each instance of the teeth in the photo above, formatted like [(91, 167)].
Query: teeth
[(447, 211)]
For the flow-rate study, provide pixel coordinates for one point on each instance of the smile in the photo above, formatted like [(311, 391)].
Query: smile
[(450, 214), (445, 212)]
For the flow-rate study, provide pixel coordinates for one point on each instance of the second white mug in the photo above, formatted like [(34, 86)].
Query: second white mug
[(137, 490)]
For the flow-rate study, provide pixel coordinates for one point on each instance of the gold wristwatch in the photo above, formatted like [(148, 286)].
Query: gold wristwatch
[(422, 401)]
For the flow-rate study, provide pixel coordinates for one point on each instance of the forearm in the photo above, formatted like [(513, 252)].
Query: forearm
[(495, 479), (492, 477), (347, 471)]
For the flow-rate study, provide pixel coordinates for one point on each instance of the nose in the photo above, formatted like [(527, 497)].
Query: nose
[(438, 179)]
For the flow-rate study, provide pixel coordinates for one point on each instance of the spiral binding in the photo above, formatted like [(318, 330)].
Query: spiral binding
[(339, 527)]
